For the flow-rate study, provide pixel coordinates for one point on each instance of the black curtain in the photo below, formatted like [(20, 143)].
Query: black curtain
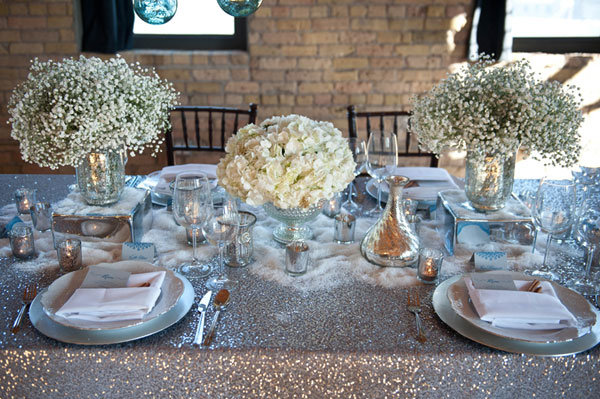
[(490, 27), (107, 25)]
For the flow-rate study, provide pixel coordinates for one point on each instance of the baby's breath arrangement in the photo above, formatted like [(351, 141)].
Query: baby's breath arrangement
[(497, 110), (67, 109)]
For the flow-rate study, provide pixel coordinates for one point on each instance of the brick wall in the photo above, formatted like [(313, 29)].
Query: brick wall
[(312, 57)]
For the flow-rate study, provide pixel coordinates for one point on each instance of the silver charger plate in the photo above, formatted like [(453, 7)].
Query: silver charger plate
[(458, 296), (62, 288), (62, 333), (443, 308)]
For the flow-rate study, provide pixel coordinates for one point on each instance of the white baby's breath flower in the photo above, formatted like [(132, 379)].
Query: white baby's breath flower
[(67, 109), (498, 110), (290, 161)]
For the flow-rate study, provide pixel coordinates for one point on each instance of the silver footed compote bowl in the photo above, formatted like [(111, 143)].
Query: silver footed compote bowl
[(293, 221)]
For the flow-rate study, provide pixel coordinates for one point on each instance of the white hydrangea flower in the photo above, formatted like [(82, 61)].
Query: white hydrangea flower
[(290, 161), (496, 110), (67, 109)]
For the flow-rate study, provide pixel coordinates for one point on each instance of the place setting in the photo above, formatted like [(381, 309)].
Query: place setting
[(111, 303)]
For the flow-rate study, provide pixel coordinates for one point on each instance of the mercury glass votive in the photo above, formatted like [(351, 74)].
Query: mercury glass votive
[(296, 258), (430, 263), (21, 241), (344, 227), (410, 206), (333, 206), (69, 255), (41, 216), (189, 233), (24, 199)]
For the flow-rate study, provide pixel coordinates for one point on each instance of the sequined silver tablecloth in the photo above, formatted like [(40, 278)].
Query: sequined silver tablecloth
[(356, 341)]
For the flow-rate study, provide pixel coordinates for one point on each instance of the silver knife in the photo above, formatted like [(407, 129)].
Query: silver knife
[(202, 306)]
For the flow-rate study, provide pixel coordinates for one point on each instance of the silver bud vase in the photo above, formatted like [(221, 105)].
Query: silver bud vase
[(391, 241)]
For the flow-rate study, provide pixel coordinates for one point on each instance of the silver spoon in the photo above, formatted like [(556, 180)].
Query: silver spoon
[(221, 299)]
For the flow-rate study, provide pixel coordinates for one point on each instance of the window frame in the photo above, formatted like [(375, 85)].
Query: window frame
[(237, 41), (556, 45)]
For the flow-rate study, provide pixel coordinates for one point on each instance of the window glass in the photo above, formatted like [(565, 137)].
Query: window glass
[(556, 18)]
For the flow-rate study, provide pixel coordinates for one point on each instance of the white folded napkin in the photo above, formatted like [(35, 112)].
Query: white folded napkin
[(115, 304), (430, 181), (168, 174), (521, 309)]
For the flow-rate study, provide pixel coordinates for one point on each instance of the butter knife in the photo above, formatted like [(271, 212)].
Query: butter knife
[(202, 306)]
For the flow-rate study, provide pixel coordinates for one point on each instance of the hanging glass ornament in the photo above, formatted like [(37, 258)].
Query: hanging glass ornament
[(239, 8), (155, 12)]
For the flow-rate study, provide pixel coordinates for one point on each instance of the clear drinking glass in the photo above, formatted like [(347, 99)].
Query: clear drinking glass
[(382, 158), (553, 213), (358, 148), (192, 203), (220, 229), (588, 229)]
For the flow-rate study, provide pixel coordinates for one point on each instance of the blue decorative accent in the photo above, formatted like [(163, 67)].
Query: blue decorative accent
[(492, 255), (485, 227), (239, 8), (139, 246), (155, 12)]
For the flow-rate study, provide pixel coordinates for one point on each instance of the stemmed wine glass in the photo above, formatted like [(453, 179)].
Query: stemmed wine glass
[(553, 213), (588, 229), (220, 229), (357, 146), (382, 158), (192, 201)]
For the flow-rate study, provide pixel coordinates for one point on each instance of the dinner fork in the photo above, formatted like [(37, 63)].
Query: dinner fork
[(414, 306), (28, 297)]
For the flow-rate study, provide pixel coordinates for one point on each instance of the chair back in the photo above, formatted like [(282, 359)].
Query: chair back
[(203, 128), (361, 124)]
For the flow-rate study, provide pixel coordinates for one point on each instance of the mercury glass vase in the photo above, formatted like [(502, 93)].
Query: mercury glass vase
[(489, 180), (292, 227), (101, 177), (391, 241)]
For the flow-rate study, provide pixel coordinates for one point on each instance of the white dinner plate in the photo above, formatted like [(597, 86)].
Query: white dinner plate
[(62, 333), (443, 309), (161, 199), (458, 296), (62, 288)]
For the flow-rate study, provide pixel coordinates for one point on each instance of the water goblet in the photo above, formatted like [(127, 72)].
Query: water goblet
[(357, 146), (553, 213), (382, 158), (588, 229), (192, 202), (220, 229)]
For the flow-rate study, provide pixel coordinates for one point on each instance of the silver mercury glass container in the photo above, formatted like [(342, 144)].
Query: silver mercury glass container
[(391, 241)]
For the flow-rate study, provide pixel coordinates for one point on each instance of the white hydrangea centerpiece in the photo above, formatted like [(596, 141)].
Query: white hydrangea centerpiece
[(65, 110), (290, 161), (499, 109)]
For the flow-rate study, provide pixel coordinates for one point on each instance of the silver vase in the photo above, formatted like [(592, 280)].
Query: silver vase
[(101, 177), (292, 220), (489, 180), (391, 241)]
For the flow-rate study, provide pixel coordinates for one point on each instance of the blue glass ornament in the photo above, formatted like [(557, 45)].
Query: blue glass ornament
[(239, 8), (155, 12)]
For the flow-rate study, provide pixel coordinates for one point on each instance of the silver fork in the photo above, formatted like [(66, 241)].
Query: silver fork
[(28, 297), (414, 306)]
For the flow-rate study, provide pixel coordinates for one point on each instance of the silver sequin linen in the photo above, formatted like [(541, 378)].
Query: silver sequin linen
[(356, 341)]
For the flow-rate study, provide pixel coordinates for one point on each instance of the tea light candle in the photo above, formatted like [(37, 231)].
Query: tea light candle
[(333, 206), (24, 199), (69, 255), (189, 232), (21, 241), (430, 261)]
